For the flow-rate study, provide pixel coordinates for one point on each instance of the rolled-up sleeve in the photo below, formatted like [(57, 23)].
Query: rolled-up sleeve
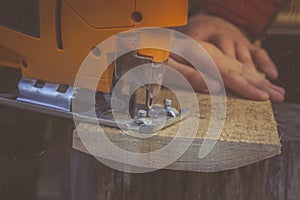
[(252, 15)]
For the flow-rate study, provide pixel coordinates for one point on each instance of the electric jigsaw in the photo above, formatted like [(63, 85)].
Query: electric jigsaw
[(47, 41)]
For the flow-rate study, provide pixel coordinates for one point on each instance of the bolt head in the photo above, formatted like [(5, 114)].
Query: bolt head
[(167, 102), (142, 113)]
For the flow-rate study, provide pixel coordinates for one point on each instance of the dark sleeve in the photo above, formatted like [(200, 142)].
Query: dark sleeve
[(250, 15)]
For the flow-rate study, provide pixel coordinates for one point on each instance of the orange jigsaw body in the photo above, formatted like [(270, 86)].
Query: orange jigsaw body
[(69, 29)]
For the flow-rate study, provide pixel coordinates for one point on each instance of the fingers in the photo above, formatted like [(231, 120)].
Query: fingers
[(243, 54), (278, 89), (256, 89), (194, 77), (275, 93), (242, 87), (226, 45), (276, 97), (246, 53), (247, 81), (244, 80), (264, 62), (235, 80)]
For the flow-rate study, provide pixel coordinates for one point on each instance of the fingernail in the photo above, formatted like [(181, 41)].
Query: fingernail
[(264, 96), (276, 96), (279, 89)]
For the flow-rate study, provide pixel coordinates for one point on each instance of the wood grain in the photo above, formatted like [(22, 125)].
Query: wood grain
[(249, 135)]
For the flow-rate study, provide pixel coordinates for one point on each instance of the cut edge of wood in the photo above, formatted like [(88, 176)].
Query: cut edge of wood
[(224, 155)]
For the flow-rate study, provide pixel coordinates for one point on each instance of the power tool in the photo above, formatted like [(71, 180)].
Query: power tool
[(47, 41)]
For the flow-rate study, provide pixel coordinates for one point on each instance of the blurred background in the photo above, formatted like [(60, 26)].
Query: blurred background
[(282, 42)]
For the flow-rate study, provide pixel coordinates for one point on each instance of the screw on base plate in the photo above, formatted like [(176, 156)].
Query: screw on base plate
[(142, 117), (141, 114), (167, 102), (170, 110)]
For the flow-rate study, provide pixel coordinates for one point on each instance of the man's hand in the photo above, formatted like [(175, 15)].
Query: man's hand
[(237, 59), (244, 80), (231, 41)]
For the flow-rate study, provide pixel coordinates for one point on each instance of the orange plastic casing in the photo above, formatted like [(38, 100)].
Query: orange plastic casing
[(83, 25)]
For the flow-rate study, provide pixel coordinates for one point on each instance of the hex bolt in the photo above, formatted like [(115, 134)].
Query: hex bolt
[(142, 113), (167, 102)]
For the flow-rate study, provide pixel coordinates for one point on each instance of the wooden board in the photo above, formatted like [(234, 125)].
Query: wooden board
[(249, 135)]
